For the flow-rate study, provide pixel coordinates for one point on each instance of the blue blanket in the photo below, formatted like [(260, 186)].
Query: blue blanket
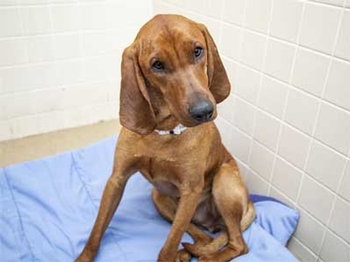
[(48, 207)]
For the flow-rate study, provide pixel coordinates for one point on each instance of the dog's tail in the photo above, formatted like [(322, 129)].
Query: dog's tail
[(222, 239)]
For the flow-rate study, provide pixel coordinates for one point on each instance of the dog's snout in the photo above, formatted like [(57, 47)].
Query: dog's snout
[(202, 111)]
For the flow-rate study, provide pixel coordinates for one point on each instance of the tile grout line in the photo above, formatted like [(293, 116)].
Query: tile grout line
[(305, 247), (261, 76), (284, 107), (310, 145), (76, 85), (23, 33), (54, 60), (221, 20), (24, 45)]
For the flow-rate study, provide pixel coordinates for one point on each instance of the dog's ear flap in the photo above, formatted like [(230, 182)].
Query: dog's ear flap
[(136, 112), (219, 83)]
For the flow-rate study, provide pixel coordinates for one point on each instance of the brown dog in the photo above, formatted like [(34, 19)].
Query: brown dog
[(172, 78)]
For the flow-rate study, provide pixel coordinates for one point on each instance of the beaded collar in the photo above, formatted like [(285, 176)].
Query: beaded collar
[(176, 131)]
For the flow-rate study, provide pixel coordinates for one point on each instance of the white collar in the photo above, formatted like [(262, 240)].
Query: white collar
[(176, 131)]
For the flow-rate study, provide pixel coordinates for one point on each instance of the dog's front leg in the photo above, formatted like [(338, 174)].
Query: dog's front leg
[(111, 197), (185, 210)]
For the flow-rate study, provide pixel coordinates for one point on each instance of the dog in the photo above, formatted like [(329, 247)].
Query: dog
[(172, 79)]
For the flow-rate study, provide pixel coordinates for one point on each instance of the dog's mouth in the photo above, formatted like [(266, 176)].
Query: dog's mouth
[(196, 122)]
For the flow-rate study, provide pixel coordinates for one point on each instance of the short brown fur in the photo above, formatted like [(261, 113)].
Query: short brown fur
[(197, 183)]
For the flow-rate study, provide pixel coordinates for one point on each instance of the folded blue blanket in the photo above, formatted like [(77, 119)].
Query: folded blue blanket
[(48, 207)]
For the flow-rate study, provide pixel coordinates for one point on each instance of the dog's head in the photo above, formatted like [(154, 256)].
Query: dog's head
[(171, 69)]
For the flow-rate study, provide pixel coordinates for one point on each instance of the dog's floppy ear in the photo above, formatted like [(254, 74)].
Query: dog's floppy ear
[(136, 112), (219, 83)]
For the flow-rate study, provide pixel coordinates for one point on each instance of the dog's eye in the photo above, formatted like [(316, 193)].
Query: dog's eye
[(198, 52), (158, 66)]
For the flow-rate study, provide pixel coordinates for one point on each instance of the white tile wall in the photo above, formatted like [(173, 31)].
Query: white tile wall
[(273, 96), (285, 20), (65, 18), (287, 121), (337, 89), (256, 183), (331, 2), (261, 160), (290, 139), (279, 59), (267, 129), (324, 161), (304, 253), (36, 19), (310, 71), (345, 182), (243, 115), (287, 178), (247, 83), (334, 248), (234, 11), (312, 194), (319, 27), (301, 110), (10, 16), (12, 52), (231, 48), (333, 127), (258, 14), (340, 222), (342, 47), (310, 231), (40, 48), (240, 144), (60, 61), (253, 49)]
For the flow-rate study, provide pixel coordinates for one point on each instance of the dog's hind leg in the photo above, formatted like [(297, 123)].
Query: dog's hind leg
[(231, 198), (221, 240), (166, 206)]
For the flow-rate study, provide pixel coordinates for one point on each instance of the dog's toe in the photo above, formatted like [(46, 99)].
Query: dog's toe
[(183, 256)]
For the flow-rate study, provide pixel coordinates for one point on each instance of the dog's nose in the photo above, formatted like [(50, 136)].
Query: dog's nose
[(202, 111)]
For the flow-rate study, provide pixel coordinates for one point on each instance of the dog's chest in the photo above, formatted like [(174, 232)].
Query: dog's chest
[(167, 171), (163, 174), (161, 167)]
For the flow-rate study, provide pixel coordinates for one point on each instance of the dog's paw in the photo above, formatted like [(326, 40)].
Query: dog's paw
[(183, 256)]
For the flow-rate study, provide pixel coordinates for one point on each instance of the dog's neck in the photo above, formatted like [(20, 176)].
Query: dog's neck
[(167, 122)]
